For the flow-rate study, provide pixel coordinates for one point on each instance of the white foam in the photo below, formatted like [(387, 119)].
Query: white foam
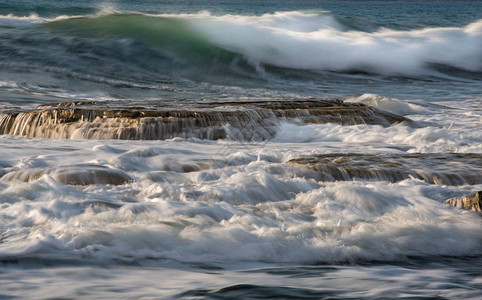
[(388, 104), (11, 20), (8, 84), (420, 140), (313, 41), (444, 129), (254, 209), (20, 21), (224, 222)]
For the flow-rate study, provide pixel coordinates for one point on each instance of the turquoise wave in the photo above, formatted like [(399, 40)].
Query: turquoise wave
[(303, 44)]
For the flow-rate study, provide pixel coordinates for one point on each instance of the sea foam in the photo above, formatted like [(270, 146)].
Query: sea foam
[(308, 41), (318, 42)]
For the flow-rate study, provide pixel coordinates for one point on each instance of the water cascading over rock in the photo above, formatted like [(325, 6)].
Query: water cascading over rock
[(234, 120), (433, 168)]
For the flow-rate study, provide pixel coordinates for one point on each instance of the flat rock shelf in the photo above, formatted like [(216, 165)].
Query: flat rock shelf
[(234, 120)]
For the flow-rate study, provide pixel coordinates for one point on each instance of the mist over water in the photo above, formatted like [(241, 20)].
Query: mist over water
[(289, 149)]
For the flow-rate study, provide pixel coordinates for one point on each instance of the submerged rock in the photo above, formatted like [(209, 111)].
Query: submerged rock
[(234, 120), (72, 175), (434, 168), (469, 202)]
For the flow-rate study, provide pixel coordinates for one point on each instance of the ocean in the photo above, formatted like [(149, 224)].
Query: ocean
[(221, 149)]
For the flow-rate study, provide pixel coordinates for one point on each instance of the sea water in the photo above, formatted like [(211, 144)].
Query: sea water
[(227, 149)]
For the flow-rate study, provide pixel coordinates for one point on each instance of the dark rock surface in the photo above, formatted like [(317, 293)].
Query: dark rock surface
[(469, 202)]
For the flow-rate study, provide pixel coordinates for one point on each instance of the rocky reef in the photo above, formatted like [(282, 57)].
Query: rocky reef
[(151, 121)]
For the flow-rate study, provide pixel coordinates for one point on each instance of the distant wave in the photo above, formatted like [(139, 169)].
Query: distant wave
[(11, 20), (293, 40), (310, 41)]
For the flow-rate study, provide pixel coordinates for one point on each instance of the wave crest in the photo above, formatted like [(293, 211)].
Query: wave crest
[(388, 52), (310, 41)]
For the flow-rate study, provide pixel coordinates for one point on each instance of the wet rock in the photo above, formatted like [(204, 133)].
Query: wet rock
[(469, 202), (72, 175), (434, 168), (234, 120)]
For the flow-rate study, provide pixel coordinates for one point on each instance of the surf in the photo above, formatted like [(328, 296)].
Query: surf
[(253, 46)]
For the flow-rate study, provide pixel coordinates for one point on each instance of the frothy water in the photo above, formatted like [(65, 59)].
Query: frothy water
[(317, 42), (240, 150), (237, 208)]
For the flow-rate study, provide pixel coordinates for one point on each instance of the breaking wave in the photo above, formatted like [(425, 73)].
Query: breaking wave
[(312, 41)]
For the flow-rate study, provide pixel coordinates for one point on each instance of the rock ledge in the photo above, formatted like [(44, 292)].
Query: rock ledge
[(469, 202)]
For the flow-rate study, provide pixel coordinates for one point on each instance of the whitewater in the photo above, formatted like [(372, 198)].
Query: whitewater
[(219, 150)]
